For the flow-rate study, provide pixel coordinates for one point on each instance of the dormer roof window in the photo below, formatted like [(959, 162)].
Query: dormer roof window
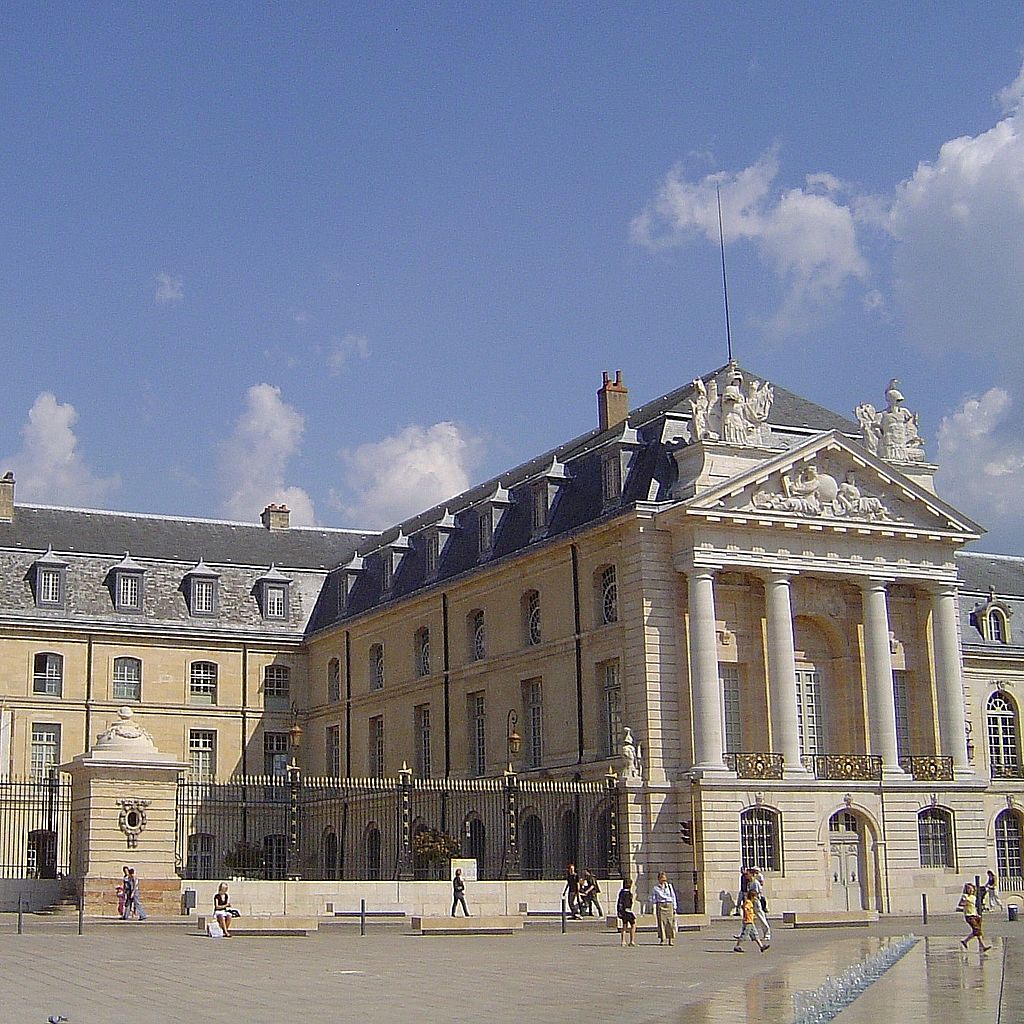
[(543, 495), (992, 619), (616, 462), (274, 592), (49, 580), (391, 558), (490, 513), (350, 573), (127, 579), (435, 541), (202, 589)]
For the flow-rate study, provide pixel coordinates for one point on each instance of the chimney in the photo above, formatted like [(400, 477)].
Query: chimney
[(275, 517), (7, 497), (612, 401)]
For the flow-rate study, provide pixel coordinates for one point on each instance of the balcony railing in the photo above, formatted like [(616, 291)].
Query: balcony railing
[(844, 767), (1002, 770), (755, 765), (928, 767)]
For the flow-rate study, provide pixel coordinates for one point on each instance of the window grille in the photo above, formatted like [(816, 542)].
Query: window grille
[(534, 722), (1003, 749), (203, 683), (729, 676), (478, 642), (808, 692), (127, 679), (332, 744), (900, 689), (935, 836), (533, 633), (45, 752), (609, 596), (759, 839), (478, 734), (421, 724), (377, 747), (202, 754), (612, 705)]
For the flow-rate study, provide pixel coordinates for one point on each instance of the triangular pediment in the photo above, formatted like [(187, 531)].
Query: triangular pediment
[(832, 479)]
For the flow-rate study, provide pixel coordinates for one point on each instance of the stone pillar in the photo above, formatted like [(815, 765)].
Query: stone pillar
[(782, 696), (123, 812), (949, 687), (705, 687), (878, 668)]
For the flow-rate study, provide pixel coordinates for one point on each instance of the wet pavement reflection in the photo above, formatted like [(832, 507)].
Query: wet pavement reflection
[(935, 982)]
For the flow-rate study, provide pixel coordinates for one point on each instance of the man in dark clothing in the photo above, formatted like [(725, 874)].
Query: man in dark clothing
[(459, 892), (572, 890)]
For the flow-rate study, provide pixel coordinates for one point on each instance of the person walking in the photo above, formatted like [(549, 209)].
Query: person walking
[(589, 891), (969, 905), (132, 897), (992, 892), (755, 890), (459, 892), (222, 909), (120, 890), (572, 890), (663, 896), (624, 912), (749, 931)]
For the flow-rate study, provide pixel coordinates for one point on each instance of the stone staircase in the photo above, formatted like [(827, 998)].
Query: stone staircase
[(66, 906)]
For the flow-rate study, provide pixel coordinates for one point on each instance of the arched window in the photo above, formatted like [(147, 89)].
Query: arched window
[(275, 856), (606, 593), (602, 840), (371, 844), (844, 821), (760, 838), (199, 855), (421, 647), (996, 622), (127, 679), (1003, 748), (935, 838), (532, 855), (376, 666), (570, 837), (477, 624), (48, 674), (334, 680), (1009, 865), (531, 617), (476, 841), (330, 853)]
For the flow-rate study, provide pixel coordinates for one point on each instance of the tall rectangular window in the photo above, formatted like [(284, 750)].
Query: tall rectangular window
[(51, 590), (277, 685), (421, 725), (202, 686), (275, 754), (611, 478), (729, 677), (276, 602), (808, 707), (433, 549), (538, 508), (127, 679), (334, 680), (899, 691), (377, 667), (485, 530), (129, 591), (533, 702), (45, 753), (477, 734), (611, 707), (202, 754), (204, 597), (332, 750), (376, 747), (48, 674)]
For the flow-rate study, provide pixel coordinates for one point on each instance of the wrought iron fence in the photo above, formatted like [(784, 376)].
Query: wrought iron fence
[(372, 828), (35, 827)]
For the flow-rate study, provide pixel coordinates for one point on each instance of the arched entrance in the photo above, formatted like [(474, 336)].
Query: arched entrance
[(848, 872)]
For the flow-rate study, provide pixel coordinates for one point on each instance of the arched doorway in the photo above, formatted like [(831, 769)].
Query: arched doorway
[(476, 843), (571, 838), (330, 853), (533, 847), (848, 885), (371, 843), (1008, 849)]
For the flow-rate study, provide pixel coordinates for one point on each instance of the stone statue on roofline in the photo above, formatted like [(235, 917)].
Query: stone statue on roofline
[(891, 434), (735, 414)]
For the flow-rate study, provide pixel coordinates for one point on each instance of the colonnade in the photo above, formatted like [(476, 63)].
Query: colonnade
[(708, 725)]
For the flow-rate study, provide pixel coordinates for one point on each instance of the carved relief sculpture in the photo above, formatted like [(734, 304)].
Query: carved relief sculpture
[(891, 434), (812, 493), (738, 416)]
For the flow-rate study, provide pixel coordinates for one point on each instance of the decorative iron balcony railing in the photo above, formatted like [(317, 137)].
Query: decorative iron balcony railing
[(755, 765), (928, 767), (844, 767)]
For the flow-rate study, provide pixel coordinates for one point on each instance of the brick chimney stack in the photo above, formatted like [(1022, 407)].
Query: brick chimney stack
[(275, 517), (7, 497), (612, 401)]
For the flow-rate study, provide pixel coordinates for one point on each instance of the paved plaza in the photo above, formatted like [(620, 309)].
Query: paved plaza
[(155, 972)]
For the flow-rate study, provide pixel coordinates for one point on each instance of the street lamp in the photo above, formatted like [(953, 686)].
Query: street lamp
[(513, 739), (295, 738)]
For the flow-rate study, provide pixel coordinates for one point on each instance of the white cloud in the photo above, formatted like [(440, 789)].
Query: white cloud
[(389, 480), (49, 467), (981, 455), (343, 349), (168, 289), (808, 236), (256, 455), (959, 225)]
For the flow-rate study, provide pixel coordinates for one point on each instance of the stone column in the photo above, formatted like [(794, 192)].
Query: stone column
[(705, 687), (949, 687), (782, 696), (878, 668)]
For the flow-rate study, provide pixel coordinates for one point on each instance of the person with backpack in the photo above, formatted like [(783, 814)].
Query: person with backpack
[(624, 912), (589, 891)]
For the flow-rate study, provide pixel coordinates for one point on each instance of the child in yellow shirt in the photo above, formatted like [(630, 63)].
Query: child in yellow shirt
[(749, 931)]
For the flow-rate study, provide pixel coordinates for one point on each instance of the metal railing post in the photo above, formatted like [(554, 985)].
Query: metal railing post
[(512, 864), (362, 917), (21, 913), (924, 908), (563, 915), (81, 912)]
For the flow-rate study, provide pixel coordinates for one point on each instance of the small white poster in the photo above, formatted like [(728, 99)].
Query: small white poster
[(468, 865)]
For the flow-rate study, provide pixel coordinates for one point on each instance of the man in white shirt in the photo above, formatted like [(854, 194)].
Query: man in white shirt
[(663, 896), (755, 889)]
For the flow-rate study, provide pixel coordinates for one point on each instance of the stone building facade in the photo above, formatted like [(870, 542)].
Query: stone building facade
[(771, 597)]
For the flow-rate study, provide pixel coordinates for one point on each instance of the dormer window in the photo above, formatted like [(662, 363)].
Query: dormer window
[(391, 558), (996, 621), (350, 573), (543, 494), (611, 478), (50, 574), (992, 619), (489, 516), (202, 590), (433, 550), (616, 463), (485, 531), (127, 585), (274, 592), (539, 508)]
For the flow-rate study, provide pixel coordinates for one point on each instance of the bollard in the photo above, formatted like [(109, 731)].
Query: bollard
[(924, 908), (563, 915), (21, 911), (81, 913), (978, 899), (362, 917)]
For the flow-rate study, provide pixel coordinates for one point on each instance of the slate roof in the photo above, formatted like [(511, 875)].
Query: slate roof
[(1003, 574)]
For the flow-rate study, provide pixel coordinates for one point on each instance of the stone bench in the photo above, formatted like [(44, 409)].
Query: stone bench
[(485, 925), (830, 918), (649, 922), (287, 925)]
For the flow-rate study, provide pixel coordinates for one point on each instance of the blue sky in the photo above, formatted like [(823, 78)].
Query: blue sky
[(359, 258)]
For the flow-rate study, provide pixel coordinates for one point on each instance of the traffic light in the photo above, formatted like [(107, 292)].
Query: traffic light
[(686, 832)]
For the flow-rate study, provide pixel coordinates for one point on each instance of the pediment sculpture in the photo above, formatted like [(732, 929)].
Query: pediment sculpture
[(811, 493), (736, 415), (891, 434)]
